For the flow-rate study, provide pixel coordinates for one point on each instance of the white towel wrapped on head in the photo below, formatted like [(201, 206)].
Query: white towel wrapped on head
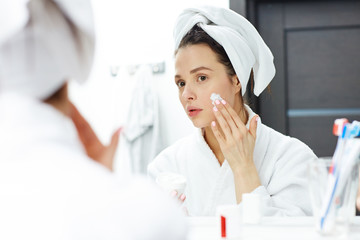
[(241, 41), (44, 43)]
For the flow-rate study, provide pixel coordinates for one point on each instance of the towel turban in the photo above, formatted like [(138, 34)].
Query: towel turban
[(43, 43), (241, 41)]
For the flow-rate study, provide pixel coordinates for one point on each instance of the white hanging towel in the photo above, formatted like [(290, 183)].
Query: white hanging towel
[(141, 140)]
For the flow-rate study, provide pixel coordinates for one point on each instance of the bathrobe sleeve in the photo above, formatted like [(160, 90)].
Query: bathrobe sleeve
[(285, 177)]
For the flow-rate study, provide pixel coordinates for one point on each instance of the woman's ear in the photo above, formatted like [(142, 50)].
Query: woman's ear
[(236, 83)]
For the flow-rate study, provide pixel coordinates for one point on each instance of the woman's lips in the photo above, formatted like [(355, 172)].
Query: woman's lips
[(192, 111)]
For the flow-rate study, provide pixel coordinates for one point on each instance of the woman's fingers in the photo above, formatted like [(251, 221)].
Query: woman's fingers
[(253, 125), (87, 136), (173, 193), (108, 155), (181, 198), (186, 212), (223, 108), (229, 121), (240, 126), (219, 137), (233, 114), (223, 120)]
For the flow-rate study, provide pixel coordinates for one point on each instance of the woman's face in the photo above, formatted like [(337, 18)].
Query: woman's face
[(198, 74)]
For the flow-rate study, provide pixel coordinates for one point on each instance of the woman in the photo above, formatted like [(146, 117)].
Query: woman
[(55, 175), (232, 153)]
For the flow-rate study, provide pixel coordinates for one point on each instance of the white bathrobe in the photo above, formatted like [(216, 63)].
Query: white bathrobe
[(281, 162), (50, 189)]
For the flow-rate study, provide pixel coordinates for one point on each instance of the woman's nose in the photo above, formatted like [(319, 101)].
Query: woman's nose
[(188, 93)]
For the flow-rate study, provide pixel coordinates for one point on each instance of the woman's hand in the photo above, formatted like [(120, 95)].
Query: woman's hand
[(94, 148), (181, 199), (237, 144)]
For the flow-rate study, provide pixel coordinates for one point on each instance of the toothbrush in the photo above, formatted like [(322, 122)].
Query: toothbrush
[(338, 130), (349, 131)]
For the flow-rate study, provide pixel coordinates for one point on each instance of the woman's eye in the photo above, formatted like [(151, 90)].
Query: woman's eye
[(180, 84), (202, 78)]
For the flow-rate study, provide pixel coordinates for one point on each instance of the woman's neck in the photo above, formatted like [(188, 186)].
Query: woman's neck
[(60, 101), (211, 139)]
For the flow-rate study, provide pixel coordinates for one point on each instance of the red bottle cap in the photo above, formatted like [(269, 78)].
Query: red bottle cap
[(223, 227)]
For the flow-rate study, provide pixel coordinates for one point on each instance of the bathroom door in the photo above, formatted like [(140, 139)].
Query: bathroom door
[(316, 46)]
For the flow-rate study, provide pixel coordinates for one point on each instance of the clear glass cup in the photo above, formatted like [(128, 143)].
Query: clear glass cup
[(341, 210)]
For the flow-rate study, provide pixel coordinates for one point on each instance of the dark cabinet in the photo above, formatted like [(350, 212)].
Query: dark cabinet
[(316, 47)]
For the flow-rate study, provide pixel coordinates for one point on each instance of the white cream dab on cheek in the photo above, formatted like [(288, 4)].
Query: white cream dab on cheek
[(214, 97)]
